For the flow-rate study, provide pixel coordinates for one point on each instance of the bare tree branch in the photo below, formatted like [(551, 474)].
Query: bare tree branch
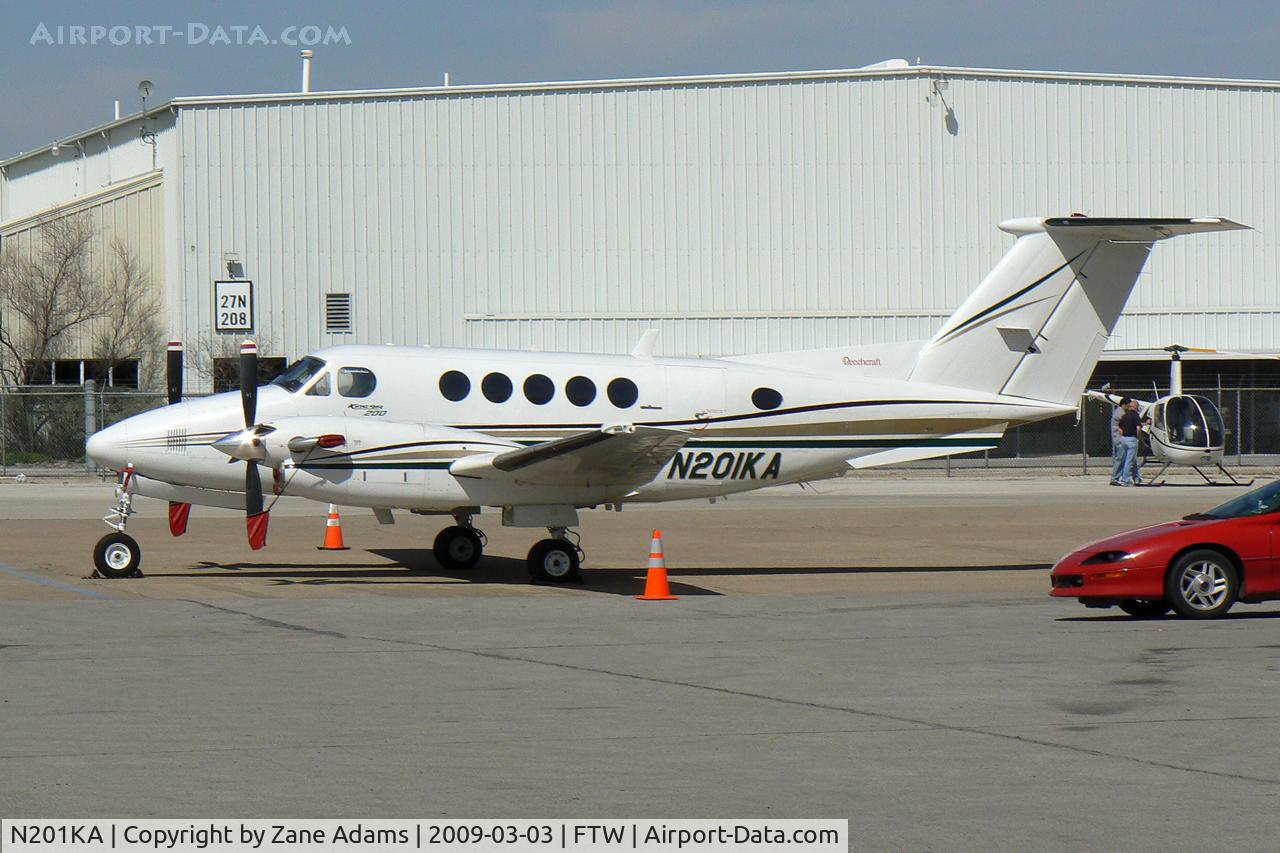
[(47, 293)]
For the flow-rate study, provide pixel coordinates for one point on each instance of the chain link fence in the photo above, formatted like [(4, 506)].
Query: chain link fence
[(44, 429)]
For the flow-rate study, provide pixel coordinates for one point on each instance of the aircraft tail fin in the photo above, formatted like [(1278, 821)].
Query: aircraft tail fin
[(1037, 323)]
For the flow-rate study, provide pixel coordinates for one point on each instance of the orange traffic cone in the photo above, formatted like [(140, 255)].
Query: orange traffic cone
[(655, 582), (333, 532)]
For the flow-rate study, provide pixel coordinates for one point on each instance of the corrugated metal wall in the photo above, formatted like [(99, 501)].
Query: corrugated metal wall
[(133, 215), (735, 216)]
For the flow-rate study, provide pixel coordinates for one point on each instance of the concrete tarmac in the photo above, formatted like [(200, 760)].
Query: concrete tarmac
[(883, 650)]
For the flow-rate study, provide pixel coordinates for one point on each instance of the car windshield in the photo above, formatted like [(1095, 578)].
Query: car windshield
[(1259, 501), (299, 373)]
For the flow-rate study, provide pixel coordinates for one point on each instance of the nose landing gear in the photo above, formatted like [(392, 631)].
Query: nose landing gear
[(117, 554)]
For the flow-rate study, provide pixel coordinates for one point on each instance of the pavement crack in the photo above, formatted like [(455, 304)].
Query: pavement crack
[(764, 697), (271, 623), (843, 709)]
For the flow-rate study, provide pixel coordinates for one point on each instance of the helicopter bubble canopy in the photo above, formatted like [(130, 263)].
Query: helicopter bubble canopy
[(1189, 422)]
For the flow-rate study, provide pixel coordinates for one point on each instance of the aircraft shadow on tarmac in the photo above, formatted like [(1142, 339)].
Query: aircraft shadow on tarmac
[(418, 566)]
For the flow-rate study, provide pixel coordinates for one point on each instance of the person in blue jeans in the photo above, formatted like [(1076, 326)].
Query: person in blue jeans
[(1130, 424), (1117, 449)]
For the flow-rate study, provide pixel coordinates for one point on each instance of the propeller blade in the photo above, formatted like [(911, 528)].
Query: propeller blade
[(173, 372), (249, 381), (252, 489), (256, 518)]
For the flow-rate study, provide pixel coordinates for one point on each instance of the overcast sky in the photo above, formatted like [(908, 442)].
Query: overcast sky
[(53, 87)]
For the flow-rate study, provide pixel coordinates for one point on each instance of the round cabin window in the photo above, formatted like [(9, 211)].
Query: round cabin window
[(766, 398), (496, 387), (539, 389), (580, 390), (623, 393), (455, 385)]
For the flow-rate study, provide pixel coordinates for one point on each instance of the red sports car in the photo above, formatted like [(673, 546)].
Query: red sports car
[(1198, 566)]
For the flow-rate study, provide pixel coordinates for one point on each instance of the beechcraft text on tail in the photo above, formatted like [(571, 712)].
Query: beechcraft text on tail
[(540, 436)]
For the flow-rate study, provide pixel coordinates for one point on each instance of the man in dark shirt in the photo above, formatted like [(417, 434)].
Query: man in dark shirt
[(1130, 423)]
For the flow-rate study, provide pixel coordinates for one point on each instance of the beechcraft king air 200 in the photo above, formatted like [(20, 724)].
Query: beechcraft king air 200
[(542, 435)]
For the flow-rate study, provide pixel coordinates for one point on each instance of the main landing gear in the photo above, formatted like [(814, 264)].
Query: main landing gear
[(554, 560), (117, 554), (459, 547), (557, 559)]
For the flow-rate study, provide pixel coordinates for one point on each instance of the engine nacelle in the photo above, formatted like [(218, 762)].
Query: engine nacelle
[(329, 440)]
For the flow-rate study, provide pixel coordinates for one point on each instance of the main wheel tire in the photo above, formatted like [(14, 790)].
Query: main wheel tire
[(554, 560), (117, 555), (458, 547), (1145, 609), (1202, 584)]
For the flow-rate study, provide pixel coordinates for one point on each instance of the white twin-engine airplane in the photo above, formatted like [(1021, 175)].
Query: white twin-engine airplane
[(542, 435)]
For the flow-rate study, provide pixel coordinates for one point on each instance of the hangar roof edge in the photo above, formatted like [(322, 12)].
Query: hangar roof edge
[(950, 72)]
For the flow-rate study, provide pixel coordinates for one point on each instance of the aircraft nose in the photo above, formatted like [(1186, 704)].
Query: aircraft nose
[(107, 447)]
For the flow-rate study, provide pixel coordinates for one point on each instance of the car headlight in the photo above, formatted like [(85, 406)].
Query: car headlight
[(1103, 557)]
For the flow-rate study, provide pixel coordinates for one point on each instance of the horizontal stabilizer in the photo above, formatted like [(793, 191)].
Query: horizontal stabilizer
[(902, 455), (622, 455), (1122, 228)]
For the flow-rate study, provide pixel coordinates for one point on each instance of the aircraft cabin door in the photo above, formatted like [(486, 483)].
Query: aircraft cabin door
[(697, 392)]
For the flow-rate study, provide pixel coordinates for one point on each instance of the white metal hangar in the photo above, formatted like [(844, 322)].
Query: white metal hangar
[(735, 213)]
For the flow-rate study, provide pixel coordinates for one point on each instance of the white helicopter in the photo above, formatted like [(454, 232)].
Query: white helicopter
[(542, 435), (1184, 429)]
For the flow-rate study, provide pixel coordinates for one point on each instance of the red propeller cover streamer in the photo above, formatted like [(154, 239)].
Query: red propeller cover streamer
[(257, 525), (178, 515)]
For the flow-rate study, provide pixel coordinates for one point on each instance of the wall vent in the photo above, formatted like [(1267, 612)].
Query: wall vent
[(337, 312)]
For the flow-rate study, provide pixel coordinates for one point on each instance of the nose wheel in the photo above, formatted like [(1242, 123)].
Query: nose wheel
[(556, 560), (117, 555)]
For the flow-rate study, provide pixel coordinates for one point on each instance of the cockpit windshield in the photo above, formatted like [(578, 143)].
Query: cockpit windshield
[(1260, 501), (1193, 422), (299, 373)]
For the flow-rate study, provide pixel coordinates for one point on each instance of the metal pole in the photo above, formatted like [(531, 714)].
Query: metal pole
[(948, 466), (1239, 452), (1084, 440), (1253, 428), (4, 433), (90, 421)]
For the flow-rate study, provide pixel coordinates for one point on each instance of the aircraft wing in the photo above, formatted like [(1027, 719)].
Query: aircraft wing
[(621, 455)]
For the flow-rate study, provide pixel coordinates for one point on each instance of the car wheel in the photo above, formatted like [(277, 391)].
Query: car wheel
[(1145, 609), (1202, 584)]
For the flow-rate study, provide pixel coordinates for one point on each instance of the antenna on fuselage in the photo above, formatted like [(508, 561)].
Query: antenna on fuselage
[(644, 346)]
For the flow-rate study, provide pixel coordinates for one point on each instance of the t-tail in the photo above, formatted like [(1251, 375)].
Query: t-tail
[(1036, 325)]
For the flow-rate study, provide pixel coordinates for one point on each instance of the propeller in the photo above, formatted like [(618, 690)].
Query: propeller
[(173, 371), (179, 512), (256, 518)]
